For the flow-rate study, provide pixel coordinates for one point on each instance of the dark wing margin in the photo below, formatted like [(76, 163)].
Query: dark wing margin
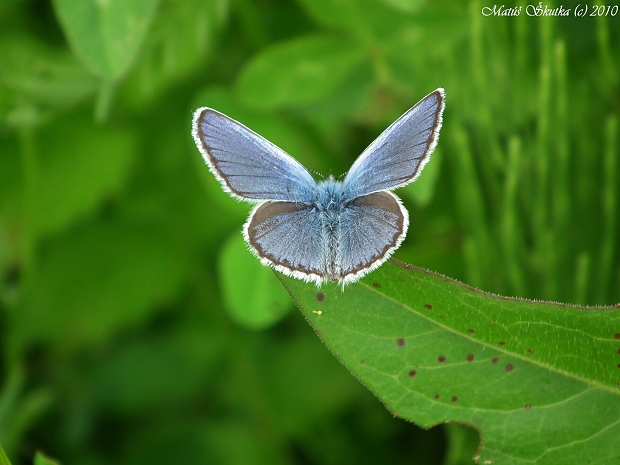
[(247, 165), (398, 155), (372, 228), (288, 237)]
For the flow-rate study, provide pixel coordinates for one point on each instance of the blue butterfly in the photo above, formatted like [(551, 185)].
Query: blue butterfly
[(326, 231)]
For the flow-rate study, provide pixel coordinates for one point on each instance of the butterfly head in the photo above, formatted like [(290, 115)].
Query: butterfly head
[(329, 195)]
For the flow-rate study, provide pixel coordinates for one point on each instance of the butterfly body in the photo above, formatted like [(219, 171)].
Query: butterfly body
[(332, 206), (331, 230)]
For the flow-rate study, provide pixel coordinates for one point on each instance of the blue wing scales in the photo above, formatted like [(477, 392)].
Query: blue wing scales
[(398, 155), (372, 228), (248, 165), (289, 237)]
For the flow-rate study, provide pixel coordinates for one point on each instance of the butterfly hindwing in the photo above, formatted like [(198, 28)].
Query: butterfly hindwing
[(248, 165), (398, 155), (372, 227), (289, 237)]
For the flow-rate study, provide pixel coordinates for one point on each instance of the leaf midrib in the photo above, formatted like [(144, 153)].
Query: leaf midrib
[(537, 362)]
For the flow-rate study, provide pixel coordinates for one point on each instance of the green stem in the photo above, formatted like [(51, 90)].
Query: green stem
[(30, 168), (510, 229), (610, 208), (104, 101), (544, 249)]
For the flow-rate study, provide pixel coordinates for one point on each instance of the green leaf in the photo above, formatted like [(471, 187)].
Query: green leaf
[(20, 407), (69, 176), (462, 444), (297, 72), (254, 297), (40, 459), (366, 20), (181, 38), (106, 35), (95, 281), (35, 73), (77, 173), (539, 381), (407, 6)]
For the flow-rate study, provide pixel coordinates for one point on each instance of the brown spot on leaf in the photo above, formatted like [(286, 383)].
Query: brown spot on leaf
[(441, 359), (377, 285), (528, 406), (494, 360), (501, 343), (454, 399), (320, 297), (509, 367), (470, 358), (471, 331), (412, 373), (400, 341), (428, 307)]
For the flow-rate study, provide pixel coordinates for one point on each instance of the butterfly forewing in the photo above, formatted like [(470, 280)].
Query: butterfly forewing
[(398, 155), (249, 166)]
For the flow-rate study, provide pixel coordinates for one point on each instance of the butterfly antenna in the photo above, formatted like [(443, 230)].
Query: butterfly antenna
[(317, 174)]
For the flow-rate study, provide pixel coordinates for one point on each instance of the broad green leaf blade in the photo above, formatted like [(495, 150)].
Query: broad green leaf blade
[(77, 174), (297, 72), (106, 35), (35, 74), (177, 45), (253, 296), (71, 175), (406, 6), (365, 20), (539, 381)]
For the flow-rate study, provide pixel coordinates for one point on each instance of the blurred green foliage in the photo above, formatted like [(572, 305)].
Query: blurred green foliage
[(121, 335)]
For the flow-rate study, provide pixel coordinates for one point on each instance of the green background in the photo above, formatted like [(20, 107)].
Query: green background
[(135, 327)]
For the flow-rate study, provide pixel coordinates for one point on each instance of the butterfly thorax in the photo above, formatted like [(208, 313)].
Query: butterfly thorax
[(330, 203), (329, 197)]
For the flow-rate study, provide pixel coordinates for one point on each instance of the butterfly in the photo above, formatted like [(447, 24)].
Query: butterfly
[(329, 230)]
